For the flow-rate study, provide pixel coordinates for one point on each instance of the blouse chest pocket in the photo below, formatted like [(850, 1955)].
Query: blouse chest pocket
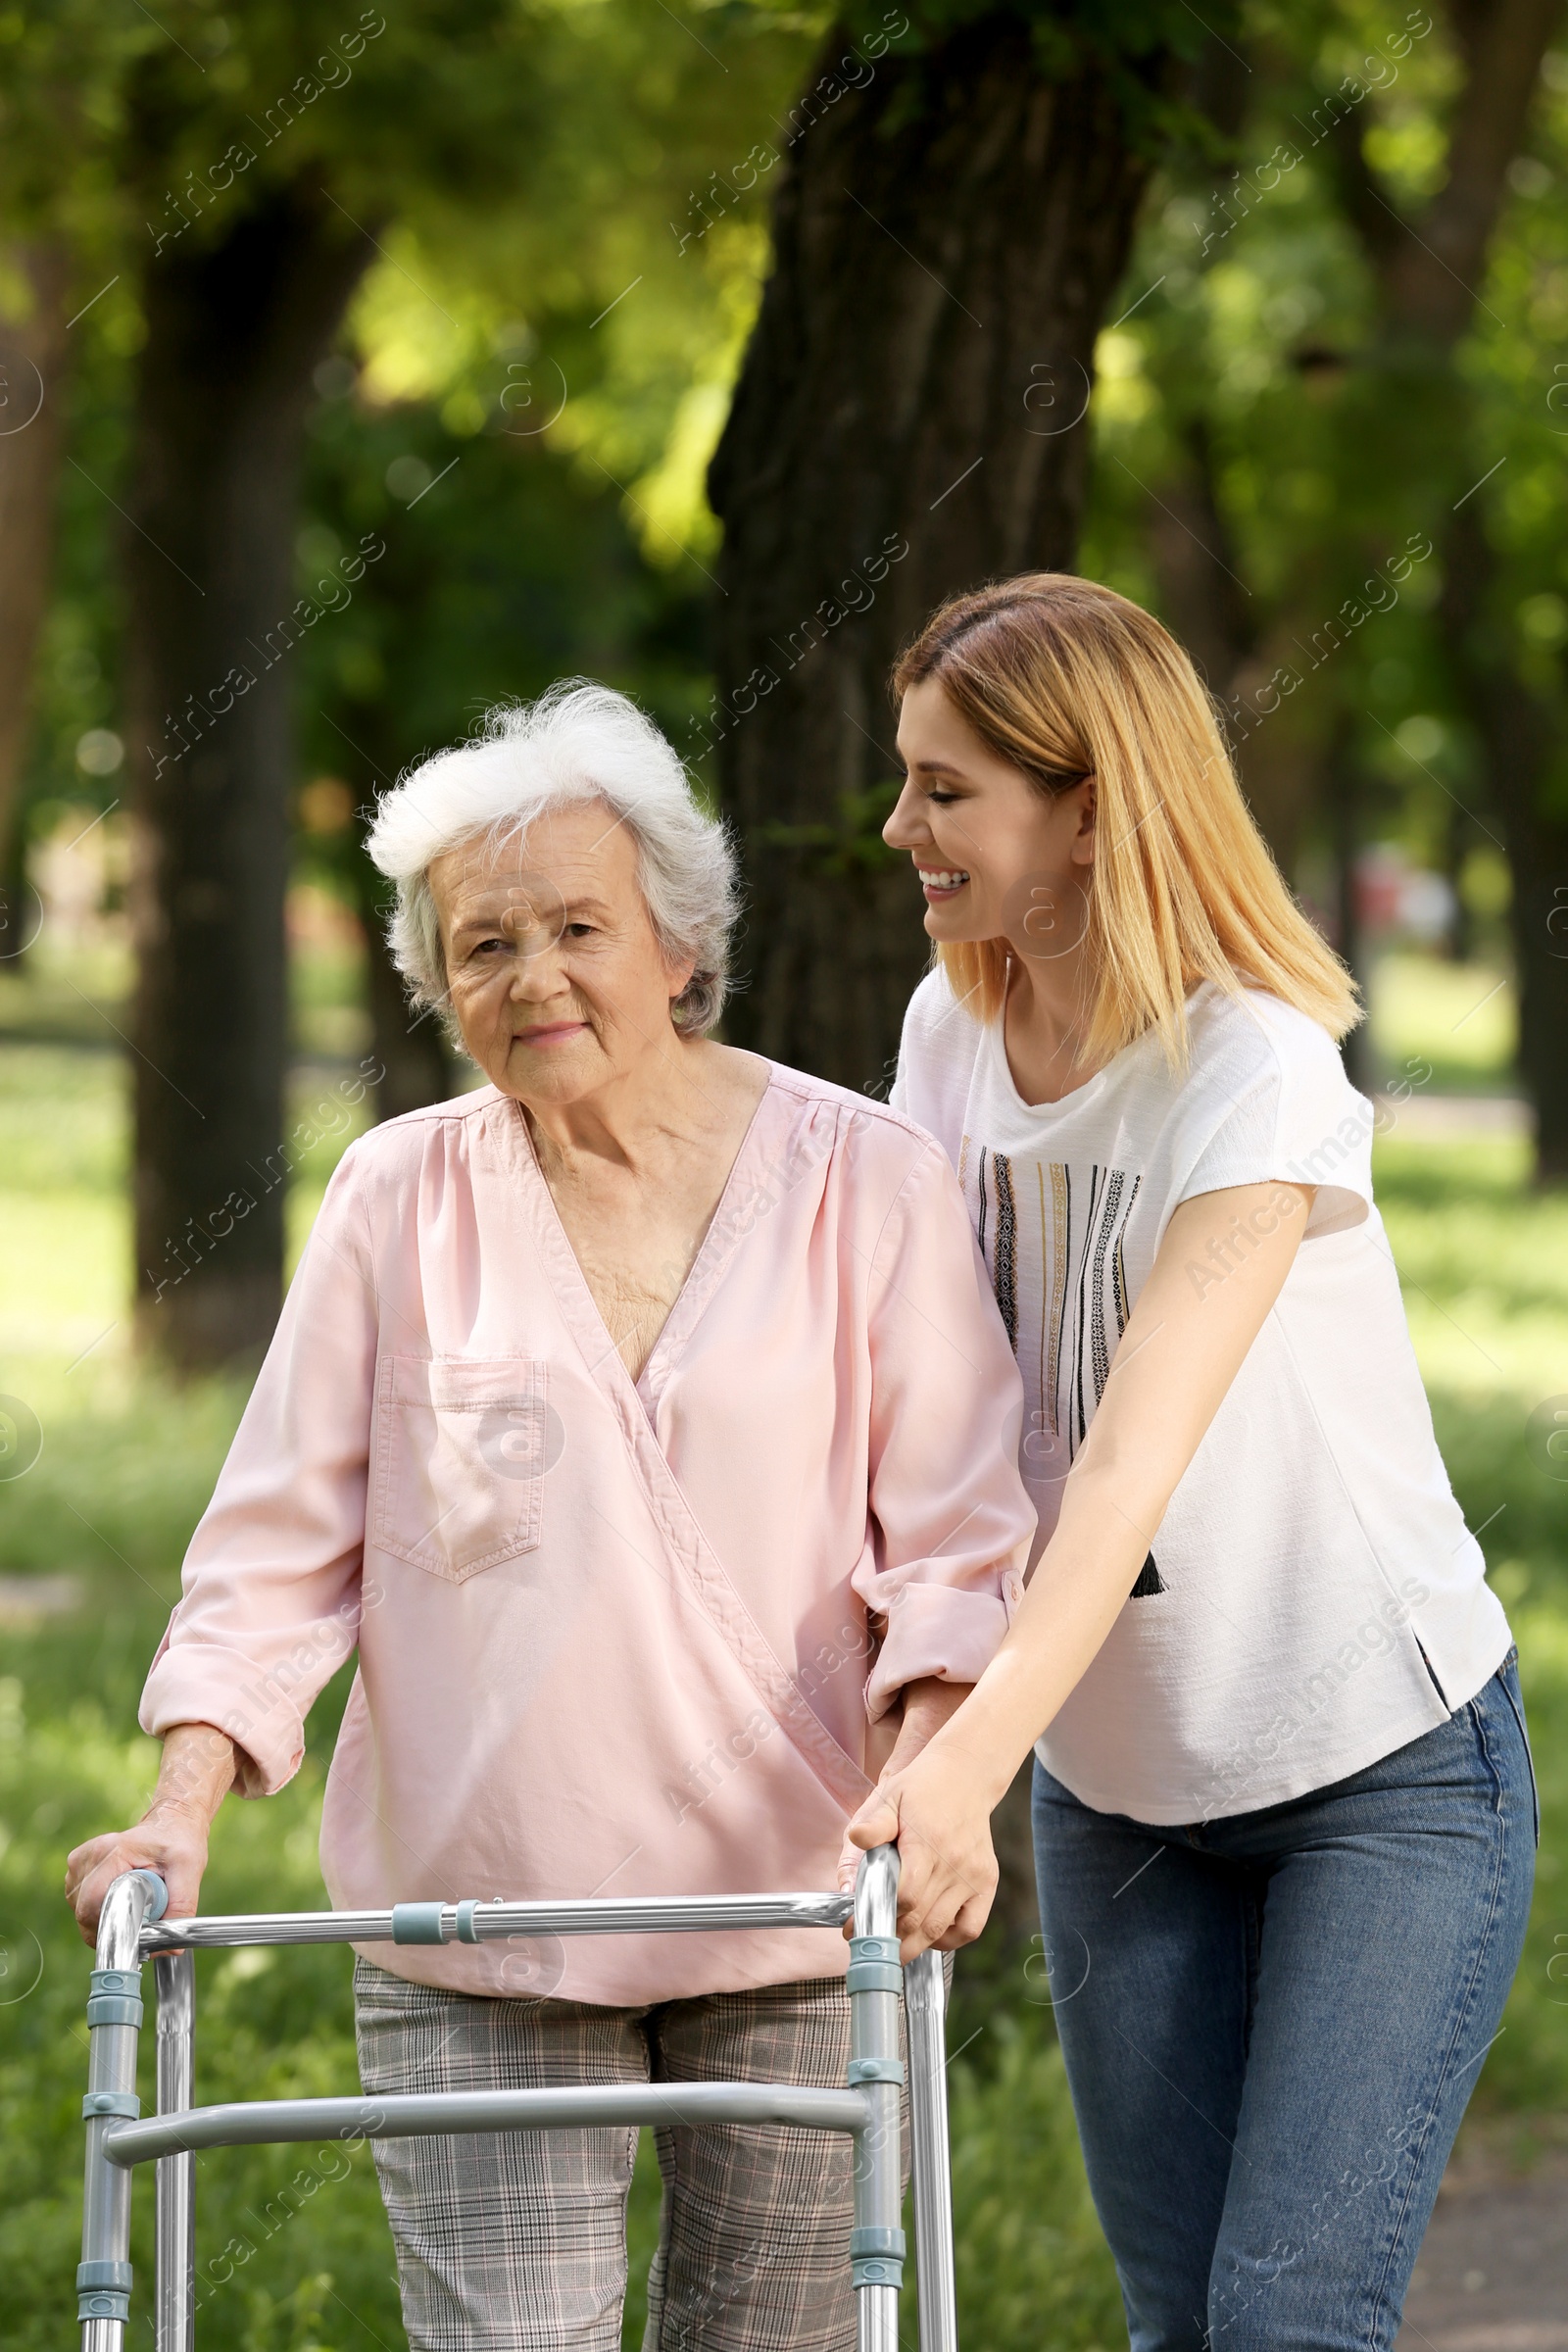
[(460, 1460)]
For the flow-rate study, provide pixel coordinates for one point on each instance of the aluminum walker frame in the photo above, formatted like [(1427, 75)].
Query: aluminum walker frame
[(132, 1929)]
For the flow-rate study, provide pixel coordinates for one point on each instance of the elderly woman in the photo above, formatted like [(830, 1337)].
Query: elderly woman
[(643, 1418)]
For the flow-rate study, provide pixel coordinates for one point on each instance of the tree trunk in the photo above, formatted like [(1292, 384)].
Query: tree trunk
[(1537, 854), (1198, 566), (908, 422), (1210, 609), (234, 333), (1516, 731), (1428, 273), (1344, 796), (1537, 851), (33, 417), (1459, 838), (417, 1065), (1515, 727)]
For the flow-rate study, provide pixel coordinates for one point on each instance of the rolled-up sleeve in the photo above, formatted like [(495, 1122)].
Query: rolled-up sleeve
[(951, 1521), (273, 1580)]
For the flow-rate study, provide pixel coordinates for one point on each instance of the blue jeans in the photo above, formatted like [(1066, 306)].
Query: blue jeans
[(1272, 2025)]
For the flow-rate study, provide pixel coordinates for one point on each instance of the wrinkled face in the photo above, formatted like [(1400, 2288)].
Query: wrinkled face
[(558, 981), (996, 858)]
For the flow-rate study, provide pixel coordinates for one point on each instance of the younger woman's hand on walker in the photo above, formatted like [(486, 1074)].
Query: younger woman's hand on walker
[(895, 1740), (939, 1816), (1182, 1349)]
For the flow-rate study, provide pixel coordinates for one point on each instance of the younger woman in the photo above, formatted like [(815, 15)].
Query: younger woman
[(1285, 1818)]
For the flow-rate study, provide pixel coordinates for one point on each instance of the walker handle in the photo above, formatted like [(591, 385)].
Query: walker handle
[(157, 1890)]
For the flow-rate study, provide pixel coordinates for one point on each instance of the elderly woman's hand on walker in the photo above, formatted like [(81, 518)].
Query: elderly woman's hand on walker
[(195, 1775)]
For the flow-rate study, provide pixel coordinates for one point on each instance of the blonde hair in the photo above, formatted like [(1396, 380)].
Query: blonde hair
[(1066, 680)]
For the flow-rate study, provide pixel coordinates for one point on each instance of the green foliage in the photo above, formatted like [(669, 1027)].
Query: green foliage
[(1253, 369), (1141, 44), (853, 844), (1127, 28), (1485, 1271), (1032, 2263), (62, 70), (507, 563), (570, 203)]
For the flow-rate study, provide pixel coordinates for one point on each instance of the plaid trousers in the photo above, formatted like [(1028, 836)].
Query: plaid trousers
[(516, 2241)]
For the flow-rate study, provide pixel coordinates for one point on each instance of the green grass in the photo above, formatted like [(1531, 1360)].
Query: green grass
[(1484, 1263), (1459, 1019), (128, 1463)]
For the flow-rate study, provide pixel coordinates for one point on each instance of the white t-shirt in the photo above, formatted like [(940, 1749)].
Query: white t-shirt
[(1312, 1599)]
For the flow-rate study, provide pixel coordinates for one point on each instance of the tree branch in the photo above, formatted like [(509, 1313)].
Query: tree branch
[(1431, 268)]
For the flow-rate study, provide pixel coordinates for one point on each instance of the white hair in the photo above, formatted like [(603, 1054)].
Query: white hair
[(579, 742)]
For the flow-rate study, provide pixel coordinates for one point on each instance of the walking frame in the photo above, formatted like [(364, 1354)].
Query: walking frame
[(132, 1929)]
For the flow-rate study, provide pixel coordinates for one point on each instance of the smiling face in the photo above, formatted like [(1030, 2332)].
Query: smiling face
[(558, 981), (998, 858)]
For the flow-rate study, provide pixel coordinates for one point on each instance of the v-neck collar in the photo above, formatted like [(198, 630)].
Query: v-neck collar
[(730, 1221), (707, 1576)]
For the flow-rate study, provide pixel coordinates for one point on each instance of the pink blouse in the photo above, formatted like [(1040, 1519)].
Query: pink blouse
[(612, 1636)]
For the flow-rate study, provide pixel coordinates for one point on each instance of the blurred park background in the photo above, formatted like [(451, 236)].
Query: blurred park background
[(361, 368)]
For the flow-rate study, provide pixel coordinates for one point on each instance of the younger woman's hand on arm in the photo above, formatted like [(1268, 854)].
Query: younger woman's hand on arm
[(1220, 1268), (937, 1812), (196, 1773)]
